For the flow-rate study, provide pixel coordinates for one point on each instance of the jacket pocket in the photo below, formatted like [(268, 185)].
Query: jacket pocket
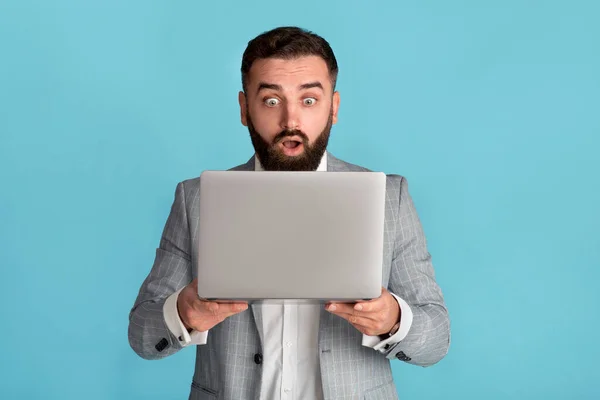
[(200, 392), (387, 391)]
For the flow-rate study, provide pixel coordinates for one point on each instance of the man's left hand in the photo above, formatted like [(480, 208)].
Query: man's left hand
[(374, 317)]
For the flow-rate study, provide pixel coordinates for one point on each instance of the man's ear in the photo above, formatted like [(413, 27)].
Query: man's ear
[(335, 106), (243, 108)]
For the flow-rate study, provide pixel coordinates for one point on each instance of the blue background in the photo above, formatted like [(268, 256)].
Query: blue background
[(490, 109)]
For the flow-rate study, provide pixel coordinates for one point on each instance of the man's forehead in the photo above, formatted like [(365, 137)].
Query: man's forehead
[(298, 70)]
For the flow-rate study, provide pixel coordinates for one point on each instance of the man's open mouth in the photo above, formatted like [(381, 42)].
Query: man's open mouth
[(292, 146), (291, 143)]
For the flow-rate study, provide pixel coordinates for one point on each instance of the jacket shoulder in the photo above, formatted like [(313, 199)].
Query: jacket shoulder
[(193, 184), (393, 180)]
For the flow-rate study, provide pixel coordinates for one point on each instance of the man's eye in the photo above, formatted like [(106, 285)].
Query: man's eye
[(310, 101), (272, 102)]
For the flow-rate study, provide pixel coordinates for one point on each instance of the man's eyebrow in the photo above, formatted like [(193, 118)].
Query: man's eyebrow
[(273, 86), (264, 85), (312, 85)]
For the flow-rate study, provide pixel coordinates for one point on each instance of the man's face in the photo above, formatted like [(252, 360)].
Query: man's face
[(289, 108)]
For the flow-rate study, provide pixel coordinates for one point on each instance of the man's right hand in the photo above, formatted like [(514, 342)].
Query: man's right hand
[(202, 315)]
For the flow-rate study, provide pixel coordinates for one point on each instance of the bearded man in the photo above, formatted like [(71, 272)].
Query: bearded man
[(337, 350)]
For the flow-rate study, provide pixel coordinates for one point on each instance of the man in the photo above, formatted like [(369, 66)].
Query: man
[(291, 351)]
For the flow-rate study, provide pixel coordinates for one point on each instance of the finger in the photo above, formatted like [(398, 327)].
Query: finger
[(225, 311), (219, 307), (204, 307), (340, 307), (235, 307), (365, 325), (355, 320), (202, 320), (350, 310), (229, 314), (370, 306)]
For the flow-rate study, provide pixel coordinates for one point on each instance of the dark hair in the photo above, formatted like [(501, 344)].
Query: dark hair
[(288, 42)]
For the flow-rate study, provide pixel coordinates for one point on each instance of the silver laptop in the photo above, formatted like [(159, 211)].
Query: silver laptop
[(315, 236)]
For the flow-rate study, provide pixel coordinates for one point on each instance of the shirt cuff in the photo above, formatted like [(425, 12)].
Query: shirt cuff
[(176, 326), (406, 318)]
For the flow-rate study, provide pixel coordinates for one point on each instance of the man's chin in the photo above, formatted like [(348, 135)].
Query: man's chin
[(283, 162)]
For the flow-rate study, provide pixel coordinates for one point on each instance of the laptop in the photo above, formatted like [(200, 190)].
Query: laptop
[(271, 235)]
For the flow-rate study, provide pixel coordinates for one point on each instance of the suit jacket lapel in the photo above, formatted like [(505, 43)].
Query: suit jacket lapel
[(336, 165), (249, 166), (258, 319)]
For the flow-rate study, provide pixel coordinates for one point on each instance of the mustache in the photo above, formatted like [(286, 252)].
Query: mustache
[(289, 133)]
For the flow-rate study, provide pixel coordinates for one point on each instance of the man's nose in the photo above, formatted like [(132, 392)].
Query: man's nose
[(290, 119)]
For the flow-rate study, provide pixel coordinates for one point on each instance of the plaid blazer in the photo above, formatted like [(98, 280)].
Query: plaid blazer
[(225, 365)]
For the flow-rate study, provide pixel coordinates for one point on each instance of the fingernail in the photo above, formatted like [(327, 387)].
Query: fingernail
[(358, 307), (332, 307)]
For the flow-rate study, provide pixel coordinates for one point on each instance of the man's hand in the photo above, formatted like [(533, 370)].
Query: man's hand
[(374, 317), (203, 315)]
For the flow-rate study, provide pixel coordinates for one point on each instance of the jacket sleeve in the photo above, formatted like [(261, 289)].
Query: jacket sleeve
[(413, 279), (149, 335)]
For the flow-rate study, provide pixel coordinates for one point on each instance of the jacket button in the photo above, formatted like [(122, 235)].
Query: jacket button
[(401, 356), (161, 345), (258, 358)]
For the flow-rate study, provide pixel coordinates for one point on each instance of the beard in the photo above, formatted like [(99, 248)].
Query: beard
[(273, 159)]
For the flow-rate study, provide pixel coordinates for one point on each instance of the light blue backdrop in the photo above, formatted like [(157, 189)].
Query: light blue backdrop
[(490, 109)]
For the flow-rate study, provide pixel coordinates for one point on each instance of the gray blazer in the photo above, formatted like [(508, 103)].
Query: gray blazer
[(226, 367)]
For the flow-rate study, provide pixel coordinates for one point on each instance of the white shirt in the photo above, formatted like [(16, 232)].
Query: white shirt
[(290, 364)]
